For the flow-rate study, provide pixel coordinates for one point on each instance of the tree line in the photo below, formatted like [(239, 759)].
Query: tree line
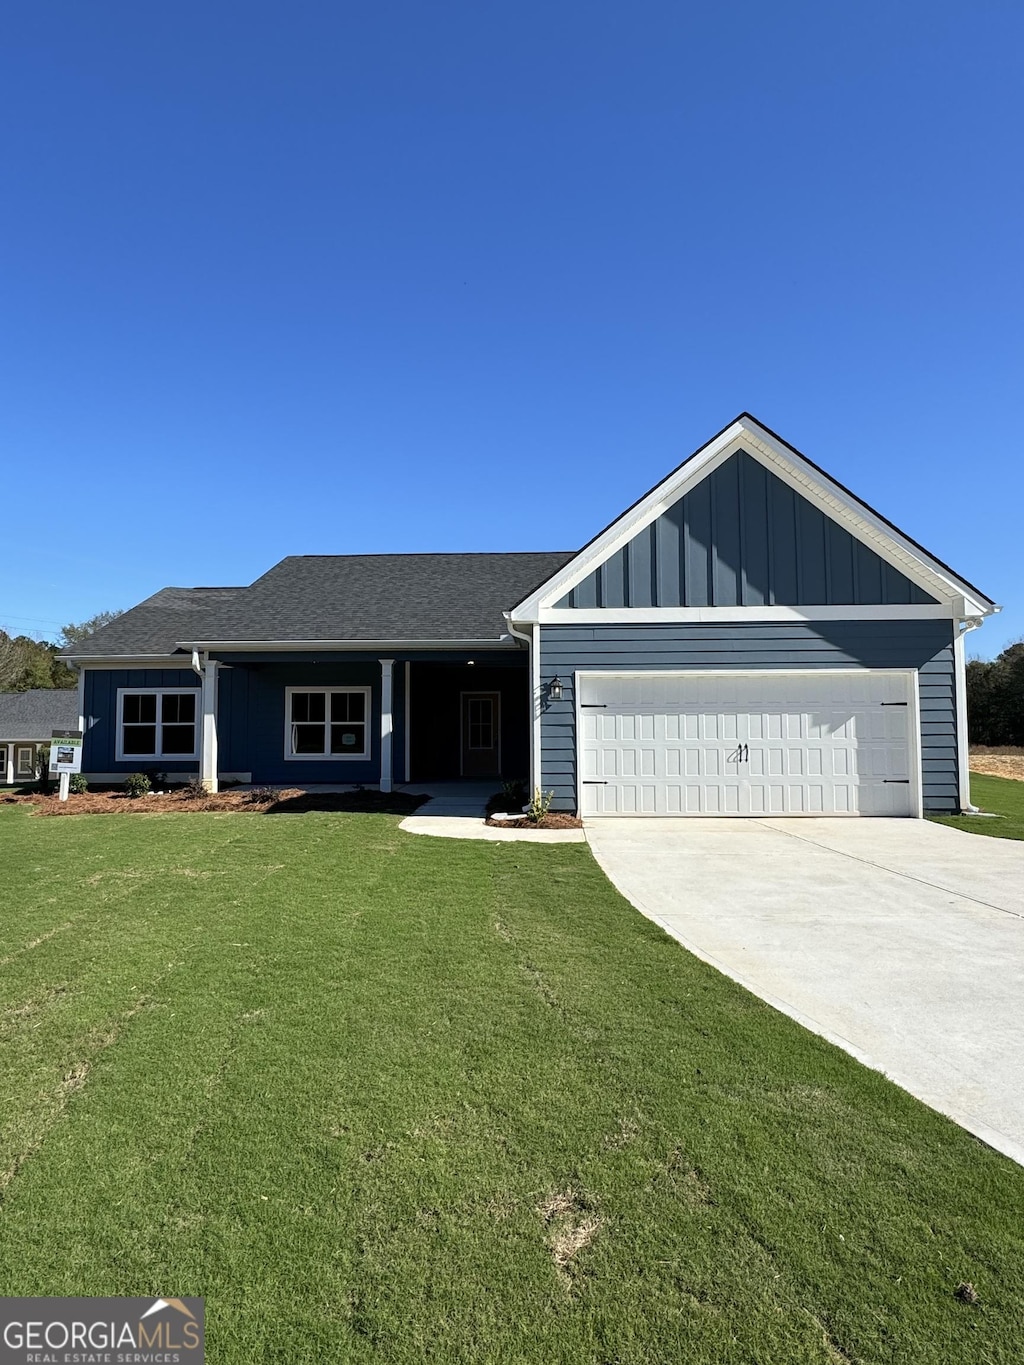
[(995, 698), (26, 663)]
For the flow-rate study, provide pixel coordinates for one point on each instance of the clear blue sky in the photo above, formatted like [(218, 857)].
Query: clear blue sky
[(329, 277)]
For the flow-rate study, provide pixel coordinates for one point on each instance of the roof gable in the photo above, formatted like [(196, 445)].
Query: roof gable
[(844, 552), (741, 537)]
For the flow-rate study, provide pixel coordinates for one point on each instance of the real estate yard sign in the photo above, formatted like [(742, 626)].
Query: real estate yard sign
[(66, 751)]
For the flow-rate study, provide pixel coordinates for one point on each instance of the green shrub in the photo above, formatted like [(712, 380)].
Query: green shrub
[(44, 778), (540, 804), (78, 784), (514, 791), (136, 785)]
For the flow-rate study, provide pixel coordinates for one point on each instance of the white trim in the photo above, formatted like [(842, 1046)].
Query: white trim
[(362, 757), (917, 747), (159, 692), (536, 746), (128, 661), (109, 779), (963, 762), (387, 725), (747, 434), (619, 616), (408, 721), (81, 702), (8, 763), (367, 646), (495, 720), (210, 747), (915, 755)]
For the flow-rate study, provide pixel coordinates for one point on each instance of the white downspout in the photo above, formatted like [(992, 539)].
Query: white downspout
[(965, 625)]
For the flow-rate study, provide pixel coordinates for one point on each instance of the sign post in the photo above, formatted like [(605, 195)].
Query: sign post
[(66, 757)]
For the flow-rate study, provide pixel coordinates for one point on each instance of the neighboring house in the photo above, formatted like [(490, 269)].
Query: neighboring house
[(28, 719), (749, 638)]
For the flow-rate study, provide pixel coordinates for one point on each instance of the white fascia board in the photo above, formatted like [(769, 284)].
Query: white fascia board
[(130, 661), (623, 530), (284, 646), (863, 524), (814, 485), (640, 616)]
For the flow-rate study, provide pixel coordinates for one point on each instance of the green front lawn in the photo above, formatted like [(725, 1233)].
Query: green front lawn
[(397, 1099), (1001, 795)]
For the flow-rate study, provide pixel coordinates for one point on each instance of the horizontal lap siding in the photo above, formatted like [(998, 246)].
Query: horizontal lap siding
[(924, 645)]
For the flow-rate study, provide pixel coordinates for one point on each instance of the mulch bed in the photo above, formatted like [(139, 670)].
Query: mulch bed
[(288, 801), (553, 820)]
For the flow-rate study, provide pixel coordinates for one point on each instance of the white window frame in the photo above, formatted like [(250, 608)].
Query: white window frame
[(30, 773), (159, 693), (327, 692)]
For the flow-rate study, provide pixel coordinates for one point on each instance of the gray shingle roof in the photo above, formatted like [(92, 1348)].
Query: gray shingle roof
[(38, 712), (440, 597)]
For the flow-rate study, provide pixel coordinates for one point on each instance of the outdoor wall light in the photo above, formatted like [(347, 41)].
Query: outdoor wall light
[(555, 689)]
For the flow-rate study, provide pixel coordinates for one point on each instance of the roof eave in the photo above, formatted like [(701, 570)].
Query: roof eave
[(283, 646)]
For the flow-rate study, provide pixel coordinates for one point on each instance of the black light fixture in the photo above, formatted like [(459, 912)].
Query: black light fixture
[(555, 689)]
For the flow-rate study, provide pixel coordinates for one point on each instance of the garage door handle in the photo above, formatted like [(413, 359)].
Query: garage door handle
[(594, 782), (893, 703), (897, 781), (590, 705)]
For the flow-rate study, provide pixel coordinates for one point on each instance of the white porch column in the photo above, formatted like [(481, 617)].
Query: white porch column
[(208, 760), (387, 727)]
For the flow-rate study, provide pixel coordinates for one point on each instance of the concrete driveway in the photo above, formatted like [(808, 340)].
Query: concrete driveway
[(899, 940)]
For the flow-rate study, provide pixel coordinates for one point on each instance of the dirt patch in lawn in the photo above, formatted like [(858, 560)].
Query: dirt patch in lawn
[(1008, 762), (288, 801), (571, 1224)]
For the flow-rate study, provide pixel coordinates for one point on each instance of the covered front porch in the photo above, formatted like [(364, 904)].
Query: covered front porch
[(344, 718)]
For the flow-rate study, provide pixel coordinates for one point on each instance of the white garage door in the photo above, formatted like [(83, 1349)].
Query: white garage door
[(777, 743)]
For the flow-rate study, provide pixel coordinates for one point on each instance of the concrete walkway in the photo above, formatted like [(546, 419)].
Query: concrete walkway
[(900, 940), (456, 810)]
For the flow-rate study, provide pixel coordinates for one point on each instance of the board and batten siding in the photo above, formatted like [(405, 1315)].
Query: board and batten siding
[(743, 538), (926, 646), (99, 745)]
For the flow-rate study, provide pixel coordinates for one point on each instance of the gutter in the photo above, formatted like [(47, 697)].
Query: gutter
[(283, 646), (520, 635)]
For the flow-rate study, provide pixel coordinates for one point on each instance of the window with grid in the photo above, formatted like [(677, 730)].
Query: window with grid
[(480, 720), (160, 723), (327, 722)]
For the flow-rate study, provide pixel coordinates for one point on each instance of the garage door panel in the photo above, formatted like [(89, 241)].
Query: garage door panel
[(744, 744)]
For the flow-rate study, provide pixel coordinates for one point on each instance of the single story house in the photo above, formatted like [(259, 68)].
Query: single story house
[(748, 638), (27, 720)]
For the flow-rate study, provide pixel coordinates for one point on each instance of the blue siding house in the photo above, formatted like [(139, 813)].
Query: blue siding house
[(749, 638)]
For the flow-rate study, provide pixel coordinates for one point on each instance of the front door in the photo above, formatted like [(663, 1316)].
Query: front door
[(481, 734)]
